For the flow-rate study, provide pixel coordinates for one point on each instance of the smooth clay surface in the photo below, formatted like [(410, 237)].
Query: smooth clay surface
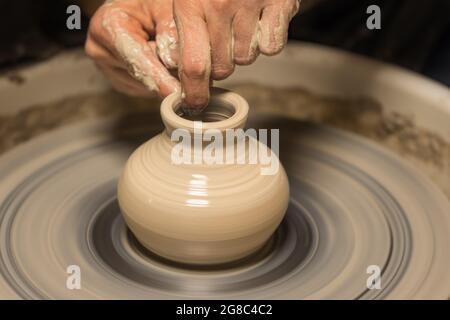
[(352, 204), (202, 213)]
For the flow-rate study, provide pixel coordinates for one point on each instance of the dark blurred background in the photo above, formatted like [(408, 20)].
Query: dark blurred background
[(414, 34)]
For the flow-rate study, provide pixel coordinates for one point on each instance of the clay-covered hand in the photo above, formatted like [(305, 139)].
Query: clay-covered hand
[(125, 39), (217, 34)]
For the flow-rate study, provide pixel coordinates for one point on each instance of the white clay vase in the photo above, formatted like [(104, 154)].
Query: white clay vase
[(199, 213)]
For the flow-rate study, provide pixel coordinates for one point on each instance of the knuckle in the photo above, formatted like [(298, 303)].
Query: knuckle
[(245, 54), (96, 26), (196, 70), (220, 5), (89, 49), (96, 21), (220, 72), (244, 59), (272, 48), (106, 18)]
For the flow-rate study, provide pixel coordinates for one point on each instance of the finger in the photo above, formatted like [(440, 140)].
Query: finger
[(221, 39), (169, 82), (292, 7), (101, 28), (273, 28), (122, 75), (245, 34), (195, 57), (101, 54), (167, 41), (139, 54), (123, 82)]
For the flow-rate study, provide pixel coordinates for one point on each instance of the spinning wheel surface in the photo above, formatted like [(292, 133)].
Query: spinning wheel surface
[(353, 205)]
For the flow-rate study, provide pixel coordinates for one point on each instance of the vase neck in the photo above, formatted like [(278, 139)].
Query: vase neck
[(226, 110)]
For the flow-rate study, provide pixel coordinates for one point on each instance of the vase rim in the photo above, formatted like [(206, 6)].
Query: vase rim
[(226, 98)]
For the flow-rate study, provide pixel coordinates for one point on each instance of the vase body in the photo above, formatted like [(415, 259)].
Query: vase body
[(200, 213)]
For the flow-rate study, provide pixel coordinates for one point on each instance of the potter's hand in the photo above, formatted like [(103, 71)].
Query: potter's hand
[(120, 40), (217, 34)]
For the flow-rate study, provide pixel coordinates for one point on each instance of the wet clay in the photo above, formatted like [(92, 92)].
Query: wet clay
[(362, 115), (167, 47), (352, 205), (197, 212), (138, 54)]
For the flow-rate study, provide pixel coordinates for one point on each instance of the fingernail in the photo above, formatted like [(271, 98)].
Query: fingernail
[(195, 106)]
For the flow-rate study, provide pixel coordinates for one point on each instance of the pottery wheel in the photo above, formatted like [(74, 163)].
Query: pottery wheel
[(353, 205)]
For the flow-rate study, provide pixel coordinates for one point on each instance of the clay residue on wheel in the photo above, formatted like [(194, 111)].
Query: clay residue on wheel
[(364, 116), (361, 115)]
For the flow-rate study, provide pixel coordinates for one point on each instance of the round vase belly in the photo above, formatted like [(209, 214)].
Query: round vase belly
[(200, 213)]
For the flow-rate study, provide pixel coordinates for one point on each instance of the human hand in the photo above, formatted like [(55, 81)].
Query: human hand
[(214, 35), (134, 43)]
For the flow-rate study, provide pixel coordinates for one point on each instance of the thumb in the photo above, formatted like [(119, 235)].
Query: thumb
[(130, 43)]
